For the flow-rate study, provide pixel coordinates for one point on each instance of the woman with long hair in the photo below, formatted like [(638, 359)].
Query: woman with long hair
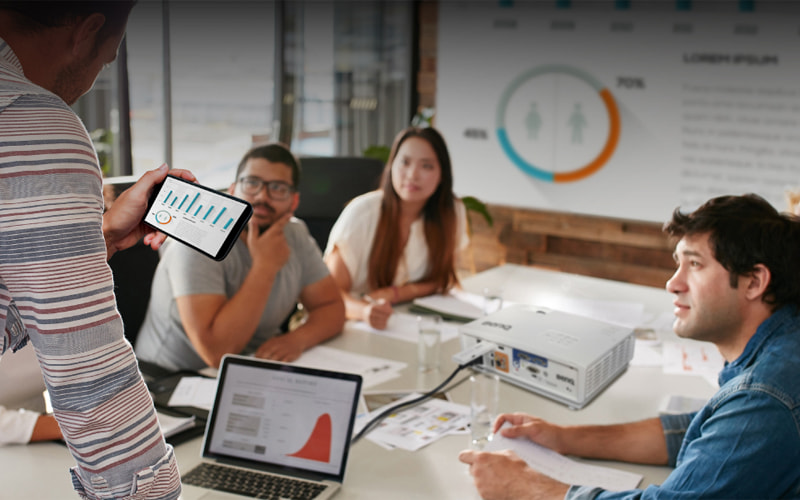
[(400, 241)]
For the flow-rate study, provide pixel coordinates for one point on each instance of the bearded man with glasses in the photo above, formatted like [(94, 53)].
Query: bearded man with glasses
[(201, 309)]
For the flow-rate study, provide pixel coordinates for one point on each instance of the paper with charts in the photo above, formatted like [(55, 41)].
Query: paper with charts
[(563, 469), (412, 428)]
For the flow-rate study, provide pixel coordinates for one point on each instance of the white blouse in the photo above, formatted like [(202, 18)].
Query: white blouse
[(16, 426), (354, 232)]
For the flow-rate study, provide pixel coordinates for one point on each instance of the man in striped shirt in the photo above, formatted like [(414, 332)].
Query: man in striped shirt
[(56, 288)]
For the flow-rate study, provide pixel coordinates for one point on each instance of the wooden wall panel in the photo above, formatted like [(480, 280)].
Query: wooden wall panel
[(618, 249)]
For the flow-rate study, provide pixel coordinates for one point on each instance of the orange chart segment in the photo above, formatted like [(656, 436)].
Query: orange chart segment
[(608, 150), (318, 446)]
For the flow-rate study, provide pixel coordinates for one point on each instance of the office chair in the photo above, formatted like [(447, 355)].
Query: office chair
[(327, 184)]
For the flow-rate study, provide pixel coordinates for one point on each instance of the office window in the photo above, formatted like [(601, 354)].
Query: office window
[(346, 82), (309, 78), (100, 113), (221, 55), (144, 41), (348, 74)]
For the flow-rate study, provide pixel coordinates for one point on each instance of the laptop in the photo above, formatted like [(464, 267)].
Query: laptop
[(275, 423)]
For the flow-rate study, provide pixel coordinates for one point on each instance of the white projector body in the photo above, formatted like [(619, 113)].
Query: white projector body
[(565, 357)]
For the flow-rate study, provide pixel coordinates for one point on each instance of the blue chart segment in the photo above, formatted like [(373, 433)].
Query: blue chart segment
[(216, 219), (194, 215), (197, 195)]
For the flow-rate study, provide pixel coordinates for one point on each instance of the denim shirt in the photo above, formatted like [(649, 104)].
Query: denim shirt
[(745, 442)]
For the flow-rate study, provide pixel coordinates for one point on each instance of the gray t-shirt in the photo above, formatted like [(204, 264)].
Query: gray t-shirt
[(183, 271)]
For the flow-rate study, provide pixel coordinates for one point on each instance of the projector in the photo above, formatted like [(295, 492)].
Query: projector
[(562, 356)]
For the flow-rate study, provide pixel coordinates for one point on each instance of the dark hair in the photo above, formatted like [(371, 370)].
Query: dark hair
[(41, 14), (274, 153), (440, 220), (744, 231)]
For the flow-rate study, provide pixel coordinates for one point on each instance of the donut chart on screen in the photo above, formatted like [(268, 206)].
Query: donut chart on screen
[(539, 169)]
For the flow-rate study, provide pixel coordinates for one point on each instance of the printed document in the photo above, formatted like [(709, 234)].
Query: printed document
[(403, 326), (563, 469), (373, 370)]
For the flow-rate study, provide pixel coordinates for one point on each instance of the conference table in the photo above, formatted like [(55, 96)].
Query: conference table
[(434, 472)]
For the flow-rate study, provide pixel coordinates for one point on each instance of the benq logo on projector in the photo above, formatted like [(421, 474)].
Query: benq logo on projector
[(497, 325), (568, 380)]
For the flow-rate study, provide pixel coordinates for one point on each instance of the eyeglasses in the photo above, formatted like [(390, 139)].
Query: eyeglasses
[(276, 190)]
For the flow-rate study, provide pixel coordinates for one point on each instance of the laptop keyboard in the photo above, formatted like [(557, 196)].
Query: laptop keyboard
[(251, 484)]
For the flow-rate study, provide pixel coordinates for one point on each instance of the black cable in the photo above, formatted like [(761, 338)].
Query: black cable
[(412, 402)]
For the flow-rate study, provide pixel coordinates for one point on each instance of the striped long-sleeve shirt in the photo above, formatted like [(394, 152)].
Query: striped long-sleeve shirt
[(56, 291)]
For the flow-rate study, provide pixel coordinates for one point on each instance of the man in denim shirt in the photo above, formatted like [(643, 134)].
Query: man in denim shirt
[(737, 285)]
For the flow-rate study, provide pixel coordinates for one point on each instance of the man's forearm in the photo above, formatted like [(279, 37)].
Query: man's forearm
[(115, 451), (635, 442), (108, 238), (323, 322), (217, 326)]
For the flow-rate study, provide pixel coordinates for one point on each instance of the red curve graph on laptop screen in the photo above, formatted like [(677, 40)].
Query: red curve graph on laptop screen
[(318, 446)]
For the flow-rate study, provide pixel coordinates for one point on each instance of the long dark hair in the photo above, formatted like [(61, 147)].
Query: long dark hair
[(439, 215)]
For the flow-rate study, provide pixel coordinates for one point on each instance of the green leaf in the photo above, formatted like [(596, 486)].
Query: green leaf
[(475, 205), (379, 152)]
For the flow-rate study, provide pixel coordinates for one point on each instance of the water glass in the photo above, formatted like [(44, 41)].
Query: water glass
[(484, 401), (429, 343), (492, 300)]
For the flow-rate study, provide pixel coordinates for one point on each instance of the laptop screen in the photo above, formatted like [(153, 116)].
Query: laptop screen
[(282, 418)]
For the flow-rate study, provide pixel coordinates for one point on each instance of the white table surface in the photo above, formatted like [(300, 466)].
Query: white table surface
[(434, 471)]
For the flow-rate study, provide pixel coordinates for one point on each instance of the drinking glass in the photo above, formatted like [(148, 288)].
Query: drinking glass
[(492, 300), (429, 343), (484, 398)]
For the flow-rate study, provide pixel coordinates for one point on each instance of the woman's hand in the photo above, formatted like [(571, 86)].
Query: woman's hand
[(377, 312)]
